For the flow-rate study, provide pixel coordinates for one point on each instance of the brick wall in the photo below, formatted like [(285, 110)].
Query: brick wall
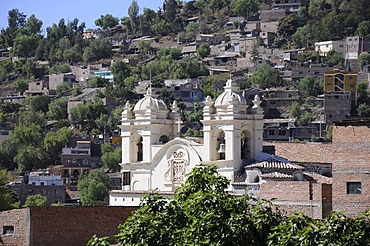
[(351, 164), (285, 190), (16, 218), (294, 196), (75, 225)]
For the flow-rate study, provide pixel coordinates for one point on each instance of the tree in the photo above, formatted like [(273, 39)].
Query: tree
[(33, 25), (203, 50), (20, 86), (93, 189), (245, 8), (295, 110), (146, 21), (363, 110), (38, 103), (133, 13), (36, 201), (7, 197), (111, 158), (96, 241), (120, 71), (106, 21), (58, 109), (201, 213), (363, 92), (364, 61), (309, 86), (97, 82), (336, 229), (169, 7), (25, 46), (266, 77), (54, 142)]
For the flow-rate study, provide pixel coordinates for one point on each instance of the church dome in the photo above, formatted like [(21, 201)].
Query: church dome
[(230, 96), (149, 101)]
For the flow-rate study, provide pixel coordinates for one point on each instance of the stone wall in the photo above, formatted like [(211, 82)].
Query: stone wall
[(16, 219)]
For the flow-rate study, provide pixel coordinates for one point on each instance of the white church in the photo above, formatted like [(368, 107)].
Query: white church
[(155, 157)]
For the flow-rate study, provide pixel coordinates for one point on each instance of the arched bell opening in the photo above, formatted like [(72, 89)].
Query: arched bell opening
[(139, 149), (245, 145), (221, 146)]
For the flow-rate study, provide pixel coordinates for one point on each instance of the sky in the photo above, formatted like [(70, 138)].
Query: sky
[(51, 11)]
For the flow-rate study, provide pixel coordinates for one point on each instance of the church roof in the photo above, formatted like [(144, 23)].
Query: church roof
[(230, 95), (274, 165), (150, 101), (276, 175)]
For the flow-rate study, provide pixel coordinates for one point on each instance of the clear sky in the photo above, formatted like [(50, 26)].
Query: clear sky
[(51, 11)]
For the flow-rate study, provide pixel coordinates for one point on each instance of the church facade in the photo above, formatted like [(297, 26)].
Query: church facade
[(155, 157)]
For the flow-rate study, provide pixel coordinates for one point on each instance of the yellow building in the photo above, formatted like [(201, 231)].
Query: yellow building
[(340, 81)]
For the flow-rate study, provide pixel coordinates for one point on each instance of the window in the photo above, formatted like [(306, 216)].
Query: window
[(126, 178), (282, 132), (42, 183), (353, 187), (8, 230), (33, 183), (271, 132)]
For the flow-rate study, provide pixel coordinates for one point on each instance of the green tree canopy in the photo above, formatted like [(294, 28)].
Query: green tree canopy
[(203, 50), (201, 213), (58, 109), (266, 77), (133, 13), (36, 201), (111, 157), (55, 141), (106, 21), (93, 189), (309, 86), (7, 197), (245, 8)]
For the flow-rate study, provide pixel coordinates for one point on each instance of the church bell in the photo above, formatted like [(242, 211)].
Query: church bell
[(221, 150)]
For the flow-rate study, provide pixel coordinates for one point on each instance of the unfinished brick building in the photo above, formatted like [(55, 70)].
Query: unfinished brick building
[(349, 158)]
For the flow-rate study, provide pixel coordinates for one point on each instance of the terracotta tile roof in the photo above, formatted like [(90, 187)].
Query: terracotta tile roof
[(276, 175), (274, 165), (318, 178), (304, 152)]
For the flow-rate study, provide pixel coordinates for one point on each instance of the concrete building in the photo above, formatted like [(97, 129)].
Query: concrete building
[(288, 5), (341, 81), (43, 183), (76, 162), (355, 45), (340, 88), (55, 80), (324, 47), (37, 88)]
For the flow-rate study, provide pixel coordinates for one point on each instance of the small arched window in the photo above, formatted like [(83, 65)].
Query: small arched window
[(140, 149)]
